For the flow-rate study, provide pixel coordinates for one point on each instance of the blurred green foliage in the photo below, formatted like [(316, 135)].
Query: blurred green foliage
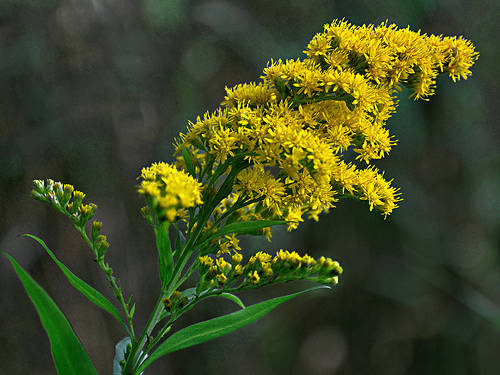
[(93, 90)]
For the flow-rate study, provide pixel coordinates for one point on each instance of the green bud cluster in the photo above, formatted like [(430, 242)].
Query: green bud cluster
[(65, 199), (68, 201)]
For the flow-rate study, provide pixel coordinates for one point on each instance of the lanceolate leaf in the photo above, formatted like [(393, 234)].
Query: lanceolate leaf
[(68, 354), (247, 227), (165, 256), (188, 160), (217, 327), (233, 298), (92, 295)]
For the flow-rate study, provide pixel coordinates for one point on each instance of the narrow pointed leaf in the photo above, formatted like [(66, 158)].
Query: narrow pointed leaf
[(165, 256), (92, 295), (189, 161), (247, 227), (233, 298), (67, 351), (179, 241), (208, 330)]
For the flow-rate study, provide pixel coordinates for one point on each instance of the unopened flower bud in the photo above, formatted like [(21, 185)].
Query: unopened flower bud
[(96, 229), (254, 277), (66, 196), (183, 301), (223, 266), (221, 278), (77, 199), (39, 186), (237, 258), (205, 263), (146, 214), (49, 185), (176, 295), (167, 303), (38, 196), (58, 190), (101, 246), (238, 270)]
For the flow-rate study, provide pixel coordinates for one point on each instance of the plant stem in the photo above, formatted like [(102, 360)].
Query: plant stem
[(131, 363), (117, 291)]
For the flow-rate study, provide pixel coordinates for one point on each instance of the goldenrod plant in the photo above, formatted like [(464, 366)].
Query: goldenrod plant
[(275, 152)]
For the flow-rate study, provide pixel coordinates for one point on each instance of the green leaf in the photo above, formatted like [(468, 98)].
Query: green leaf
[(179, 241), (92, 295), (247, 227), (233, 298), (165, 256), (201, 332), (67, 351), (189, 161)]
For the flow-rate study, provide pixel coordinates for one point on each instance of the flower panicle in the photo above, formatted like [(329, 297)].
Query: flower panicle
[(294, 127)]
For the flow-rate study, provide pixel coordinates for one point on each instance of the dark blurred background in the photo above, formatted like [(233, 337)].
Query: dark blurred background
[(91, 91)]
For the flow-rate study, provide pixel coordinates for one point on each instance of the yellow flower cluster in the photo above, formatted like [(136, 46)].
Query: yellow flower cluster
[(169, 191), (294, 128), (388, 56), (262, 269)]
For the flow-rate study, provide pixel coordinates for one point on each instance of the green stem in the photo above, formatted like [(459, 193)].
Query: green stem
[(117, 291), (132, 359), (186, 276)]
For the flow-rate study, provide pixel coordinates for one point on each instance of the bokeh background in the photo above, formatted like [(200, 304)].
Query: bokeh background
[(91, 91)]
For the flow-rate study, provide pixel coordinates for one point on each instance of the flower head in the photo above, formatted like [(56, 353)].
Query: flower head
[(169, 191)]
